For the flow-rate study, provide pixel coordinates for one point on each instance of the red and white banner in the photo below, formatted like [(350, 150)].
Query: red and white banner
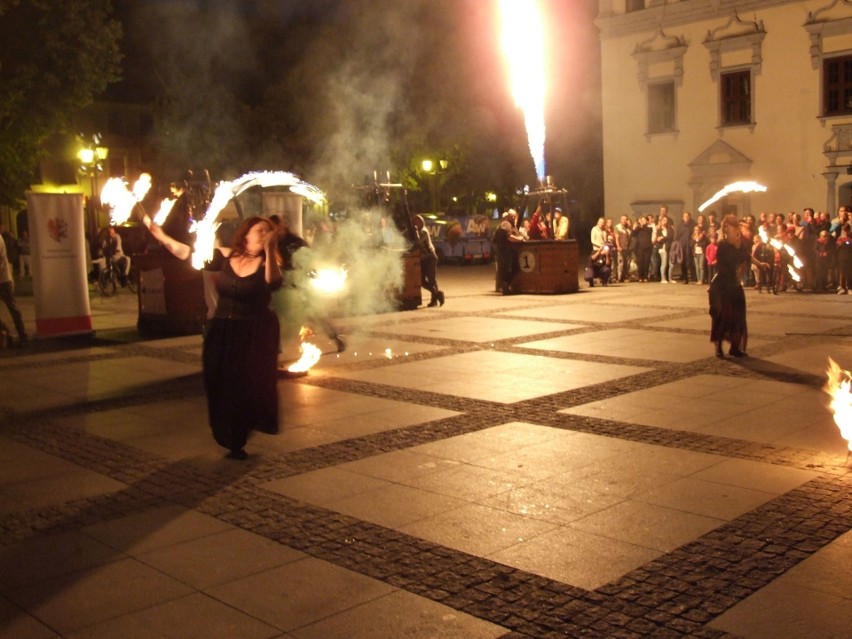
[(59, 269)]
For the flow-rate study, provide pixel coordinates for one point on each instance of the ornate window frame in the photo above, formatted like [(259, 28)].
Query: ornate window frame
[(735, 35), (827, 22), (660, 48)]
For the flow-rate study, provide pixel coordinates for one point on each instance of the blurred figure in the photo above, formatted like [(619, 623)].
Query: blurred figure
[(560, 225), (7, 295), (428, 262), (507, 260), (25, 269)]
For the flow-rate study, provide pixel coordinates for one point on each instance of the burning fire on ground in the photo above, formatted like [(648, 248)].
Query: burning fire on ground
[(839, 387), (310, 353)]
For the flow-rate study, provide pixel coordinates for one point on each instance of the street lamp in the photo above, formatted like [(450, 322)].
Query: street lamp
[(93, 156), (429, 167)]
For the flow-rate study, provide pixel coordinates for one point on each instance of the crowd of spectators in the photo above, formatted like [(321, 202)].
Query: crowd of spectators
[(811, 251)]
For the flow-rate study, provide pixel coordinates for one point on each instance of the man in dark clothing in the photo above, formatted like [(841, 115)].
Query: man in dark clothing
[(507, 261), (683, 236)]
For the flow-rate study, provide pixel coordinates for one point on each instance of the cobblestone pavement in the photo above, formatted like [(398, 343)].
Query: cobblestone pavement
[(681, 593)]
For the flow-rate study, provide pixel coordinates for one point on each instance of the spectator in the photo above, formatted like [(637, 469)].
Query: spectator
[(560, 225), (683, 236), (699, 244), (821, 261), (710, 255), (7, 295), (662, 238), (622, 248), (25, 269), (844, 259), (642, 235)]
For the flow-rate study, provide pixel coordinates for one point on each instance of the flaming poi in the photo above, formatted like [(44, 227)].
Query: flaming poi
[(735, 187), (122, 200), (523, 45), (838, 387)]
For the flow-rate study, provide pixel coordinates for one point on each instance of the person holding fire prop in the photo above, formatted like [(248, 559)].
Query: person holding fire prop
[(241, 341), (727, 298)]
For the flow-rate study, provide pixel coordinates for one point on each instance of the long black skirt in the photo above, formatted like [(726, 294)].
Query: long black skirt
[(240, 372), (728, 312)]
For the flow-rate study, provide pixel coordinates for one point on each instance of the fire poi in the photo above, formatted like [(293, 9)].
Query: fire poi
[(122, 201), (839, 387), (736, 187)]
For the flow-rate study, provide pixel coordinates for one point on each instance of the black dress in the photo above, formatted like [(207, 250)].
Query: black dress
[(240, 356), (727, 298)]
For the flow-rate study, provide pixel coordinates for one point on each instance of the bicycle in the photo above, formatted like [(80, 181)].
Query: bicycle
[(109, 278)]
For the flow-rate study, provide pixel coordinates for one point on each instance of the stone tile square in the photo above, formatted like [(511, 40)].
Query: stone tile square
[(398, 465), (575, 557), (490, 441), (299, 593), (321, 487), (720, 501), (395, 505), (50, 556), (766, 324), (195, 615), (826, 571), (815, 360), (17, 624), (760, 476), (630, 343), (153, 529), (470, 329), (492, 369), (401, 614), (368, 348), (70, 483), (476, 529), (82, 599), (468, 482), (647, 525), (219, 558), (588, 312), (783, 609)]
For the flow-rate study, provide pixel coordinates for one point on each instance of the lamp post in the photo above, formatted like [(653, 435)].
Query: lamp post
[(92, 158), (429, 167)]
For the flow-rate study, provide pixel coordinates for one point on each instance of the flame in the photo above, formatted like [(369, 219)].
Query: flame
[(165, 208), (121, 200), (227, 190), (794, 274), (735, 187), (523, 46), (838, 386), (328, 280), (310, 356)]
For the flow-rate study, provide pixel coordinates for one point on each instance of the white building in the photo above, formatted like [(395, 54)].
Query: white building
[(698, 94)]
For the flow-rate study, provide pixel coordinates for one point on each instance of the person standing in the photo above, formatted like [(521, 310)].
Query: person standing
[(7, 295), (683, 236), (727, 298), (560, 225), (642, 236), (622, 247), (24, 255), (240, 349), (662, 239), (507, 259), (428, 262)]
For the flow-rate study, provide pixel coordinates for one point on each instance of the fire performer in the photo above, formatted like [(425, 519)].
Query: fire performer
[(241, 342), (428, 262), (727, 298)]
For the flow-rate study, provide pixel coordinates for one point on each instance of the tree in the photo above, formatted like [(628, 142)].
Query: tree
[(55, 56)]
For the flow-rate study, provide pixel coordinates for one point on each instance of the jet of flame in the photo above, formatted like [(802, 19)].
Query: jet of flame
[(523, 45), (838, 387), (122, 200), (736, 187)]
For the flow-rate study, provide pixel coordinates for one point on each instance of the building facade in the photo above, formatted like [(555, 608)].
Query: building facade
[(698, 94)]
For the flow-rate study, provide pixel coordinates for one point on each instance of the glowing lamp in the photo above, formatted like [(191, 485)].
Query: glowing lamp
[(428, 166), (86, 156)]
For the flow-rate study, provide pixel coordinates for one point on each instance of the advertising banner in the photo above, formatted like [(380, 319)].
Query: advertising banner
[(58, 255)]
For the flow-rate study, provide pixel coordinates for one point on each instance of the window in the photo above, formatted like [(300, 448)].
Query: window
[(634, 5), (837, 85), (661, 107), (736, 97)]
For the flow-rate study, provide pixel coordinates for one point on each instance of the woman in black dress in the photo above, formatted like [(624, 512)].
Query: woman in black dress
[(727, 298), (241, 341)]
